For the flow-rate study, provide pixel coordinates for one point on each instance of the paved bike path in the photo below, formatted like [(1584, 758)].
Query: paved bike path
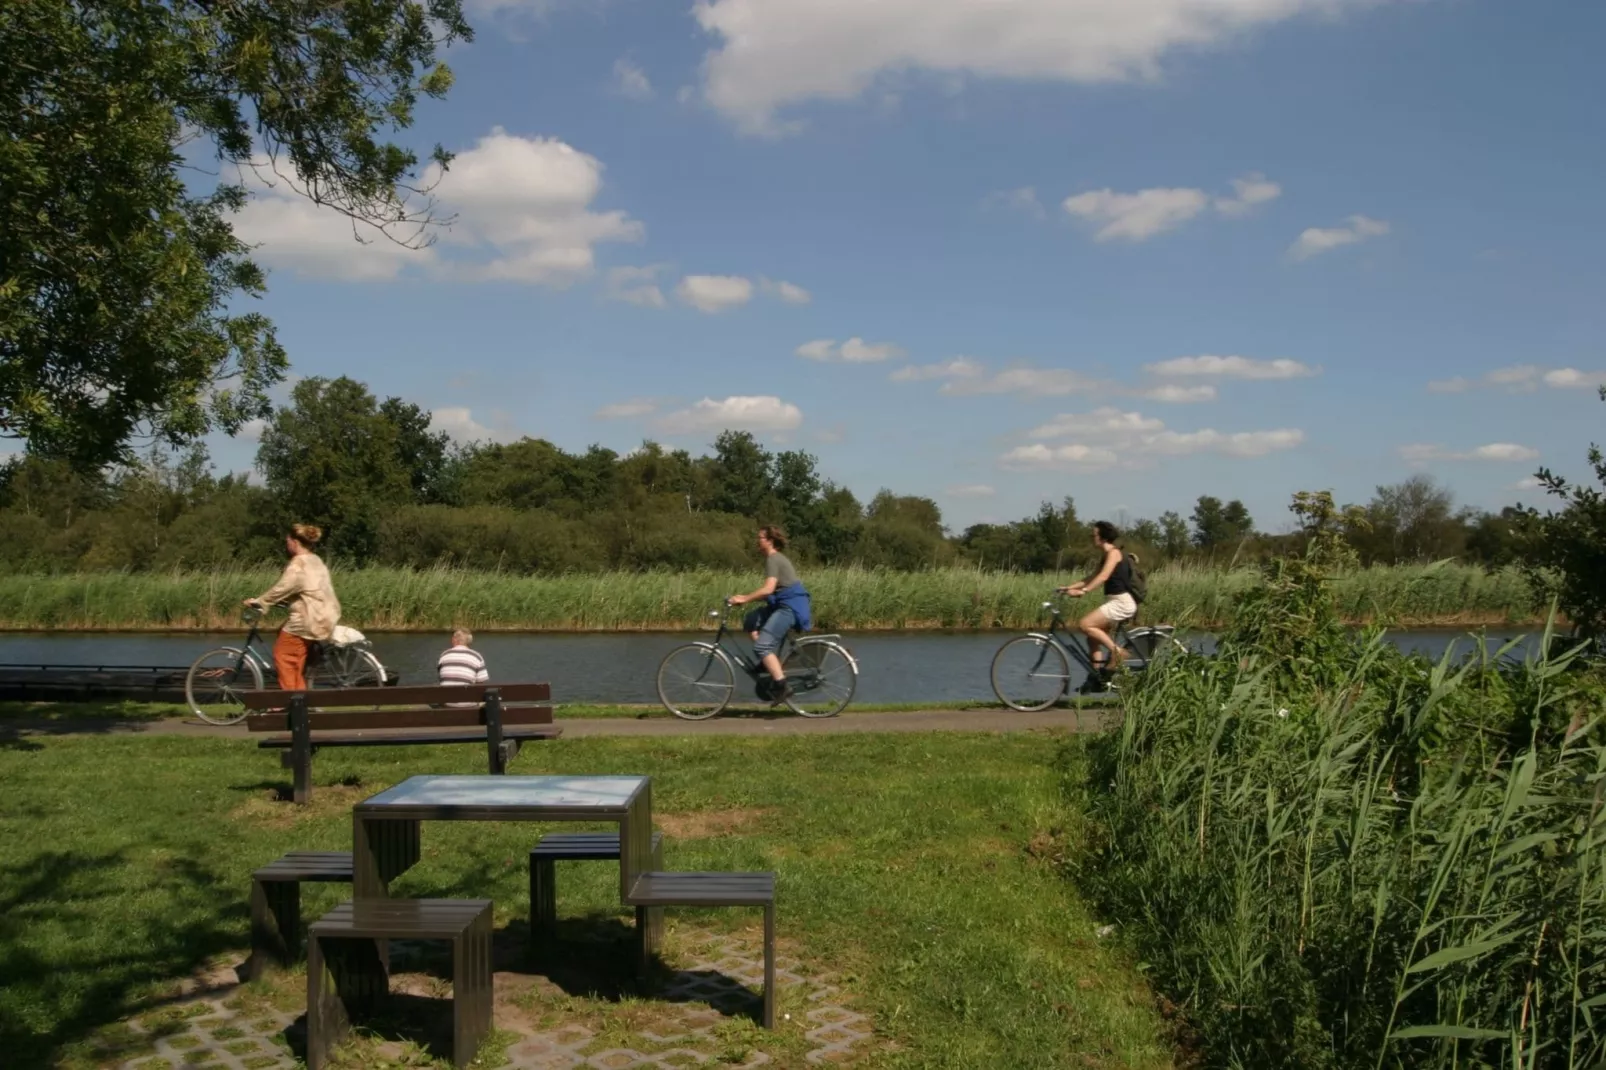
[(738, 724)]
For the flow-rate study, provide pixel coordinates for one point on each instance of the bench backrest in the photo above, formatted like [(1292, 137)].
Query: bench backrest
[(428, 707)]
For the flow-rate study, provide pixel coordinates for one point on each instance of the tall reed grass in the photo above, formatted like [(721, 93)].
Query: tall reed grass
[(1374, 861), (386, 599)]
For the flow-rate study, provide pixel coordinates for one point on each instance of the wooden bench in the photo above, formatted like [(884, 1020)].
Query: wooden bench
[(276, 903), (577, 847), (658, 890), (500, 715), (347, 974)]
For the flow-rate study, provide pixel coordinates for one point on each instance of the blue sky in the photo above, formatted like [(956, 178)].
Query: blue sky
[(1132, 251)]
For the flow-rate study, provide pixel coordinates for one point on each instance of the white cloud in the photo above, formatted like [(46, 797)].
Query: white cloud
[(1495, 452), (1136, 216), (761, 413), (252, 430), (1572, 379), (522, 208), (637, 286), (714, 293), (769, 55), (1526, 483), (625, 410), (1176, 393), (853, 351), (790, 292), (1023, 200), (1038, 382), (1317, 240), (631, 81), (1523, 379), (958, 368), (1075, 456), (970, 490), (1108, 437), (1100, 423), (1248, 191), (1139, 216), (1230, 368), (458, 421)]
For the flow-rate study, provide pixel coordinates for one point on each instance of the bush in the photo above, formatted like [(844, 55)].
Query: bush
[(1334, 855)]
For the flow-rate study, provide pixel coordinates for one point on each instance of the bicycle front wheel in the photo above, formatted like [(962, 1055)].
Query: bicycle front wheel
[(695, 681), (1030, 673), (213, 685), (822, 676)]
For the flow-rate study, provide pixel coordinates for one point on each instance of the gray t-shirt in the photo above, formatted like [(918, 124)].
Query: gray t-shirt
[(778, 566)]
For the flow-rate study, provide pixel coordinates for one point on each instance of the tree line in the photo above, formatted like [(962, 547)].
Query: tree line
[(392, 491)]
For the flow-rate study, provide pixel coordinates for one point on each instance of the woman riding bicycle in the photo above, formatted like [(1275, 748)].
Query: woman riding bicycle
[(314, 609), (786, 607), (1115, 573)]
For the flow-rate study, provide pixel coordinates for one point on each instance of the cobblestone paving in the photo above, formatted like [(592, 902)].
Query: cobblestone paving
[(696, 1019)]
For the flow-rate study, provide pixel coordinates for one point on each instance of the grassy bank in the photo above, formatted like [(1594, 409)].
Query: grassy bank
[(881, 845), (849, 599)]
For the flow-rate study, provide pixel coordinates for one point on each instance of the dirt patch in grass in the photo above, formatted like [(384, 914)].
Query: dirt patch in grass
[(706, 824), (270, 808)]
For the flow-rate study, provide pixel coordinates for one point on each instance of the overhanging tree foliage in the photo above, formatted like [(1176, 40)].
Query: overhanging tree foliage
[(116, 279), (1564, 553)]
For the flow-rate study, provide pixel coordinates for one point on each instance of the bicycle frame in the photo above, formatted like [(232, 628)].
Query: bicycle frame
[(744, 661), (248, 649), (1080, 650)]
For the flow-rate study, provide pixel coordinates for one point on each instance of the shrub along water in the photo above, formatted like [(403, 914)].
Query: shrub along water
[(1333, 855), (846, 598)]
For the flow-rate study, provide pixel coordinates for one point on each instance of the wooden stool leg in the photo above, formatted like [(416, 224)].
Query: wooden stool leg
[(471, 989), (327, 1020), (769, 966), (543, 904), (275, 925)]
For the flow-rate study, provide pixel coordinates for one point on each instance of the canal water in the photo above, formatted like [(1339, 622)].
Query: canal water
[(927, 667)]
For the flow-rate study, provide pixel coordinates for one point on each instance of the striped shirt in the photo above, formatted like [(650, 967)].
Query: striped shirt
[(461, 666)]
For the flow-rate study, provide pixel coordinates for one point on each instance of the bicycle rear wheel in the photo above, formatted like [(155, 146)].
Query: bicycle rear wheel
[(1030, 673), (695, 681), (347, 667), (1144, 647), (212, 686), (822, 676)]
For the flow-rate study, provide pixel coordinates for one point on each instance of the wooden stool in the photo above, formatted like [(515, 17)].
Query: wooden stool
[(346, 972), (659, 890), (276, 904), (574, 847)]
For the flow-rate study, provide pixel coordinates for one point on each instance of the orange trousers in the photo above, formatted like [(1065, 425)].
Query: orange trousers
[(290, 659)]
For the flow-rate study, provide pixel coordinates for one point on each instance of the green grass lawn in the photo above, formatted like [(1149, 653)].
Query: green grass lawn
[(916, 869)]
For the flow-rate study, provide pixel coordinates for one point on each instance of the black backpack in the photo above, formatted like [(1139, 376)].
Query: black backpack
[(1140, 582)]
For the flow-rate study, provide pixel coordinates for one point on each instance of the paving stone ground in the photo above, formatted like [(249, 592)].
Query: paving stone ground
[(700, 1011)]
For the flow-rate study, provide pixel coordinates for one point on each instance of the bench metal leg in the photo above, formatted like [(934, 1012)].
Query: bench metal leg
[(275, 925), (344, 976), (769, 966)]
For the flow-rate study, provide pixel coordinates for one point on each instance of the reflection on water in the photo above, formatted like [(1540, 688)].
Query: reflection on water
[(893, 666)]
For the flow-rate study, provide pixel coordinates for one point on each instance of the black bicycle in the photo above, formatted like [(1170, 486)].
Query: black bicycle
[(213, 685), (1033, 671), (696, 681)]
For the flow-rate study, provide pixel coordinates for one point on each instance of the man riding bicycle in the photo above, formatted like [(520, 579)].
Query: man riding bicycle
[(786, 607), (1115, 573)]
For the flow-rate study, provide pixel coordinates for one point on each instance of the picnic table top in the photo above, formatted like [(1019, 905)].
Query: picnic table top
[(502, 792)]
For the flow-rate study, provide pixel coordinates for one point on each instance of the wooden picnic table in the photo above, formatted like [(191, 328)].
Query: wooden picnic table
[(387, 828)]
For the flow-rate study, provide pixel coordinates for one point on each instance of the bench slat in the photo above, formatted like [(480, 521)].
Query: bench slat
[(408, 718), (393, 737), (398, 696), (583, 846)]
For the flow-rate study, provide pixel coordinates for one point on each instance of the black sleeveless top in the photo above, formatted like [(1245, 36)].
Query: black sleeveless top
[(1120, 581)]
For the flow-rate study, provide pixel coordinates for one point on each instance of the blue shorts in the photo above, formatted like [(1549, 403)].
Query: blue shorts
[(771, 623)]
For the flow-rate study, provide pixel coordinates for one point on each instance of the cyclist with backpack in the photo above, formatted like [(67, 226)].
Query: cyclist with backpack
[(1124, 588)]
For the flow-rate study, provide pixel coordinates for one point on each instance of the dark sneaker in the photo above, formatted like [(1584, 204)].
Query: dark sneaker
[(780, 690)]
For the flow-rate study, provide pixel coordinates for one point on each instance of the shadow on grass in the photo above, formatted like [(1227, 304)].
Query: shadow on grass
[(88, 980)]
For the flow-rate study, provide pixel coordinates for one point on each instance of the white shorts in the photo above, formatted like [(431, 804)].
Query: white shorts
[(1119, 608)]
